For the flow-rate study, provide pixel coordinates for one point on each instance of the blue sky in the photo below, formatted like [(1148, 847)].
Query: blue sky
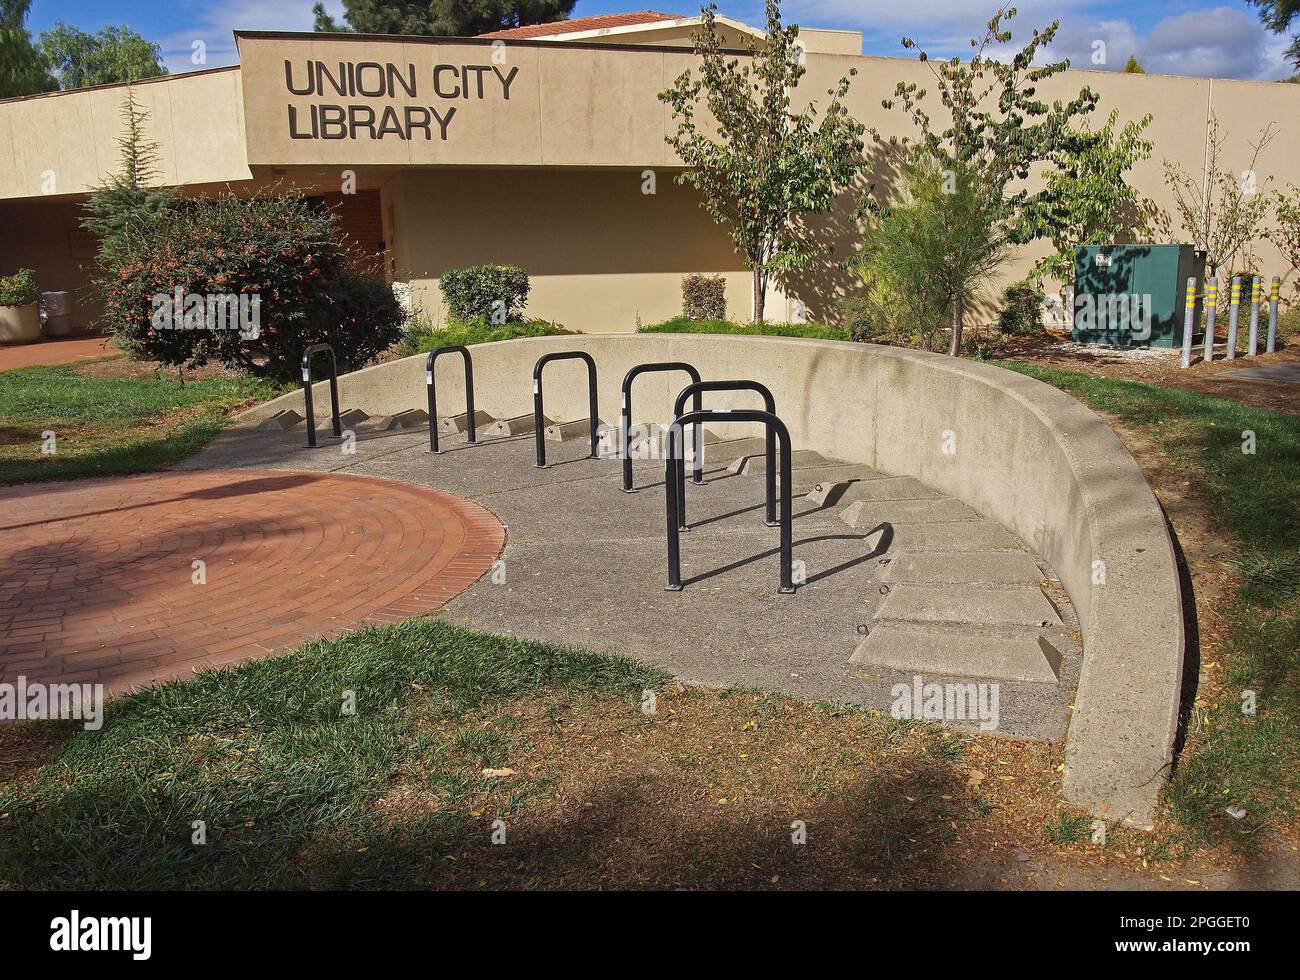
[(1188, 37)]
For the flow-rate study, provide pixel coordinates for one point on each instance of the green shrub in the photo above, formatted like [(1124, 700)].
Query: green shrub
[(420, 337), (1022, 305), (19, 289), (278, 258), (704, 297), (495, 294), (815, 331)]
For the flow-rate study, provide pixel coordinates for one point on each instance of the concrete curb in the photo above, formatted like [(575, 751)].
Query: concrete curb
[(1014, 449)]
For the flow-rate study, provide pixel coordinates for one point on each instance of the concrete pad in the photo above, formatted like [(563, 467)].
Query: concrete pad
[(944, 567), (1287, 371), (350, 418), (517, 426), (449, 424), (964, 603), (864, 483), (924, 648), (869, 513), (284, 419), (755, 464), (578, 428), (412, 418)]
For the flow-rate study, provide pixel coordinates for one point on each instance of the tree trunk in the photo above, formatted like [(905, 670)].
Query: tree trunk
[(955, 348), (760, 295)]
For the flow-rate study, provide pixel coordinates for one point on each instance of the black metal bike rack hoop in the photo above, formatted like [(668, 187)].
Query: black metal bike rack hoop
[(625, 414), (674, 477), (429, 385), (306, 392), (769, 404), (545, 359)]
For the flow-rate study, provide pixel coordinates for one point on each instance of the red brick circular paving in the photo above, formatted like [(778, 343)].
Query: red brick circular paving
[(97, 576)]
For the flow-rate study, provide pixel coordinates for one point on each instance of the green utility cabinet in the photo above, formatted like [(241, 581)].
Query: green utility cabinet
[(1121, 289)]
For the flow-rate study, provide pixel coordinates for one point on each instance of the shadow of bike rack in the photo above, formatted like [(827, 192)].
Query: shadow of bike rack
[(306, 392), (697, 468), (430, 387), (538, 416), (674, 478), (625, 412)]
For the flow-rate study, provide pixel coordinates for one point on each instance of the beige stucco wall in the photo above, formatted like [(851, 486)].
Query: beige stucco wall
[(66, 143), (601, 252)]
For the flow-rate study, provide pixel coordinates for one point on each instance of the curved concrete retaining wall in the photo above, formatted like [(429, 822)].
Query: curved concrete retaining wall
[(1024, 454)]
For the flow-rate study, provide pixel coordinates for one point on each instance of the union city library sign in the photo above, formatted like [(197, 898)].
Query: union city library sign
[(363, 100)]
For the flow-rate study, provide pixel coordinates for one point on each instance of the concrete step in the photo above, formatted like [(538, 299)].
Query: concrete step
[(517, 426), (755, 464), (350, 418), (282, 420), (451, 424), (962, 536), (997, 653), (982, 605), (411, 418), (954, 568), (870, 513), (846, 489), (578, 428)]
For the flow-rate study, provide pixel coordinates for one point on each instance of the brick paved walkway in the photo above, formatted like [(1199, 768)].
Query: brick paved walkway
[(53, 351), (96, 575)]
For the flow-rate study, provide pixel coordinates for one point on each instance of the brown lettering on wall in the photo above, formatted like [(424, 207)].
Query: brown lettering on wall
[(356, 119)]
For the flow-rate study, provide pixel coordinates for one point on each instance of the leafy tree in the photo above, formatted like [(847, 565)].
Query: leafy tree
[(1132, 67), (994, 129), (441, 18), (1086, 199), (1278, 15), (23, 70), (127, 205), (767, 166), (1285, 233), (114, 54), (931, 249), (1220, 210)]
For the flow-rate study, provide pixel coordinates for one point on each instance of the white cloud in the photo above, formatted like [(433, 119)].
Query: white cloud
[(215, 25)]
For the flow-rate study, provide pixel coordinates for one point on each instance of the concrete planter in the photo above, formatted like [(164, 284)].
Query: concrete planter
[(19, 324)]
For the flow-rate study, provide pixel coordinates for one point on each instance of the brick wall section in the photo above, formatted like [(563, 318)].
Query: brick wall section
[(360, 219)]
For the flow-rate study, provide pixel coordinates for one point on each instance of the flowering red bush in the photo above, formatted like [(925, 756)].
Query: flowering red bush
[(248, 282)]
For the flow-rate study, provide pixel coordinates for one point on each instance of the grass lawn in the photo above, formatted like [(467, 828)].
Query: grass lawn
[(1231, 758), (454, 731), (816, 331), (105, 426)]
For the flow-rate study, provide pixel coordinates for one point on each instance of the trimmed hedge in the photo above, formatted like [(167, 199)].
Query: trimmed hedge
[(495, 294), (19, 289), (704, 297)]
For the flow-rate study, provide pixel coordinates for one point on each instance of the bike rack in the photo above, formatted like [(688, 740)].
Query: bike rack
[(433, 395), (697, 476), (306, 392), (544, 360), (674, 476), (625, 421)]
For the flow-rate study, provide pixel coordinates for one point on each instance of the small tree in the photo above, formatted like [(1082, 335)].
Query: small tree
[(932, 249), (1086, 199), (1285, 233), (768, 165), (1221, 211), (998, 130), (127, 203), (1133, 67)]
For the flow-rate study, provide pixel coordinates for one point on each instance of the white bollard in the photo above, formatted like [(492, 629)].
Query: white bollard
[(1211, 302), (1274, 293), (1233, 312), (1189, 321), (1256, 287)]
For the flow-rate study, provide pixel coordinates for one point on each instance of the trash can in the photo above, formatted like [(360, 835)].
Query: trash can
[(1132, 295), (56, 313)]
